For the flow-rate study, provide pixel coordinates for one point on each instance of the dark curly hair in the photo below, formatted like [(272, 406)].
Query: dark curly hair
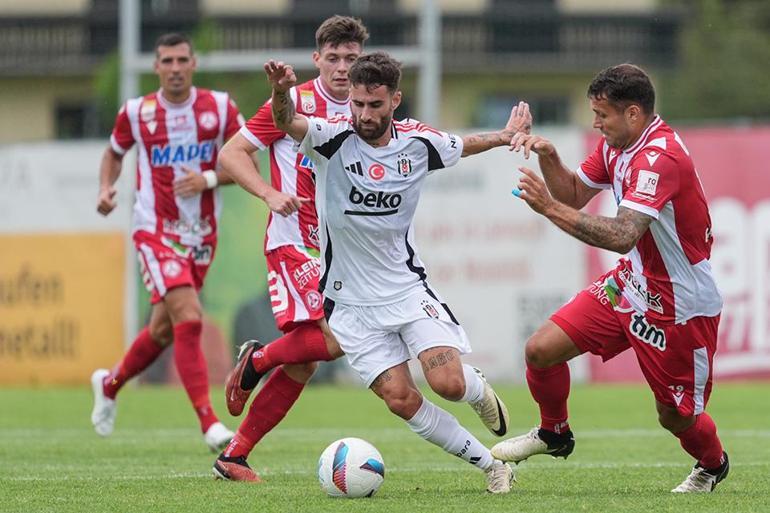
[(339, 30), (376, 69), (623, 85)]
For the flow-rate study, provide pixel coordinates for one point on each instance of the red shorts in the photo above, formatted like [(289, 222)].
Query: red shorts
[(166, 264), (293, 273), (676, 359)]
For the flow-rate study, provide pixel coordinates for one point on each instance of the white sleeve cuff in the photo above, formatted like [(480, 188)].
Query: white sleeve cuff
[(115, 146), (590, 182), (644, 209), (253, 139)]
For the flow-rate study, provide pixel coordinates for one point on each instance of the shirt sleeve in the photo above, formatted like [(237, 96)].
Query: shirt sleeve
[(234, 119), (260, 129), (324, 137), (652, 180), (122, 138), (593, 170), (444, 149)]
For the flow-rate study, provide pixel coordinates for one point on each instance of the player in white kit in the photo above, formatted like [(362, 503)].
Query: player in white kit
[(369, 170)]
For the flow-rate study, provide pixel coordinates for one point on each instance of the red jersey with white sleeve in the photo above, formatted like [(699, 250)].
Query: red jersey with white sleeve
[(168, 136), (292, 172), (667, 275)]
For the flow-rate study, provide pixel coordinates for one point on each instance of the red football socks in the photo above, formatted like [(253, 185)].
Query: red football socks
[(270, 405), (191, 366), (143, 351), (303, 344), (550, 389), (701, 441)]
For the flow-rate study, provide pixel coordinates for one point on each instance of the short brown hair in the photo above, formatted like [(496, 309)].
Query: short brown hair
[(339, 30), (173, 39), (376, 69), (623, 85)]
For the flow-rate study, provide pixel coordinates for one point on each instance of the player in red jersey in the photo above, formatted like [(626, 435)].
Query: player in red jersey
[(178, 131), (661, 299), (291, 249)]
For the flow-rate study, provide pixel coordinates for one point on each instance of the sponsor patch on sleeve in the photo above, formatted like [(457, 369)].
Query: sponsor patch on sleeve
[(647, 183)]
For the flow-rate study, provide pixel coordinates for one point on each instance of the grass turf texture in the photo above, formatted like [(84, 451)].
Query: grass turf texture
[(156, 460)]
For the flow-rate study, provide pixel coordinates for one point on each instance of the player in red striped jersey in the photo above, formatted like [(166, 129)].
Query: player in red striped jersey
[(661, 299), (291, 248), (178, 131)]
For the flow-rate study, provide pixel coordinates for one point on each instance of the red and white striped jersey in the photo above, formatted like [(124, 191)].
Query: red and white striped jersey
[(668, 274), (292, 172), (171, 135)]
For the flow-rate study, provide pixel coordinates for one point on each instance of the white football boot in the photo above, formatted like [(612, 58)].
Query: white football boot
[(523, 446), (490, 409), (105, 409), (704, 480), (217, 437), (500, 476)]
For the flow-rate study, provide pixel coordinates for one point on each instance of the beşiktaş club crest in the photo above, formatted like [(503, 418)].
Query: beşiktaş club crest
[(429, 308), (404, 165), (307, 100)]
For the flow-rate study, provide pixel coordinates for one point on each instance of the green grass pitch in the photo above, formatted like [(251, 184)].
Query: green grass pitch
[(156, 460)]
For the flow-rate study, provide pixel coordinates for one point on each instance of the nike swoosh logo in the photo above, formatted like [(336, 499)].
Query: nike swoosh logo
[(503, 428)]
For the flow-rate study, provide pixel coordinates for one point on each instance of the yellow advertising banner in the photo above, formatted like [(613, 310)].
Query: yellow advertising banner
[(61, 306)]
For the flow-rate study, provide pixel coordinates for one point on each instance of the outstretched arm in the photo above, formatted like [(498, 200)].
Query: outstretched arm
[(562, 183), (519, 121), (285, 117), (236, 161), (619, 233), (109, 171)]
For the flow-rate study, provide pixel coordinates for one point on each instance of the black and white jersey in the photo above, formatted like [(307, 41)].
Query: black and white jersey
[(366, 199)]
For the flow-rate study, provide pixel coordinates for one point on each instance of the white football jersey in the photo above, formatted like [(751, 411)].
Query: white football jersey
[(366, 199)]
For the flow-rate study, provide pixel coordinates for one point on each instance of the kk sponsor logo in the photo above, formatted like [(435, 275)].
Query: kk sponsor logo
[(646, 332)]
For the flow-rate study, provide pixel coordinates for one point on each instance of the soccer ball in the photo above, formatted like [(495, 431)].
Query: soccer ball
[(352, 468)]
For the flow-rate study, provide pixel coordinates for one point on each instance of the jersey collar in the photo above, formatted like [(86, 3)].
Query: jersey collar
[(171, 106)]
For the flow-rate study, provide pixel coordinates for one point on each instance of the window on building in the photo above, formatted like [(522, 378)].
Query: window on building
[(494, 110), (77, 121)]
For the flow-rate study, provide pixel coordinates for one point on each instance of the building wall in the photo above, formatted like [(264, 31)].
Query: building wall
[(43, 7), (28, 105)]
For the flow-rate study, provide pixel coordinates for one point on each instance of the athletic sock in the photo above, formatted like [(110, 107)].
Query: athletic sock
[(143, 351), (270, 405), (550, 389), (191, 366), (474, 385), (701, 442), (439, 427), (303, 344)]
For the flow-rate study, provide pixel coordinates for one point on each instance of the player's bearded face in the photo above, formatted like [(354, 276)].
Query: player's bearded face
[(612, 122), (175, 66), (333, 63), (372, 110)]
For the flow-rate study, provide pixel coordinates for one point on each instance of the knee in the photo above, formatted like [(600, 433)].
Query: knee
[(161, 333), (301, 372), (536, 354), (403, 403), (672, 421), (451, 388)]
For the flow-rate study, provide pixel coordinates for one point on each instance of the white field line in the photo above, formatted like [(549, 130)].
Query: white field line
[(411, 469)]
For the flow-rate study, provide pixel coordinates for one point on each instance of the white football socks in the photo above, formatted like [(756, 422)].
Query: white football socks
[(441, 428), (474, 385)]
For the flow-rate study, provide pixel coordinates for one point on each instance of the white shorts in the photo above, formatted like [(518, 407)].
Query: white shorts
[(377, 338)]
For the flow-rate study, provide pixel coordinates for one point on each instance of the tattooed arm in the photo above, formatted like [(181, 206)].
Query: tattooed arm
[(519, 121), (285, 117), (620, 233)]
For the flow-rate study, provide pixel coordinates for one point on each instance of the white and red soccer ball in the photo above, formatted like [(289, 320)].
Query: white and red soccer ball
[(351, 468)]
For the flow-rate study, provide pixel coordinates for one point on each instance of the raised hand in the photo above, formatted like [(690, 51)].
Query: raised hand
[(105, 202), (533, 190), (538, 144), (281, 76), (520, 120)]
